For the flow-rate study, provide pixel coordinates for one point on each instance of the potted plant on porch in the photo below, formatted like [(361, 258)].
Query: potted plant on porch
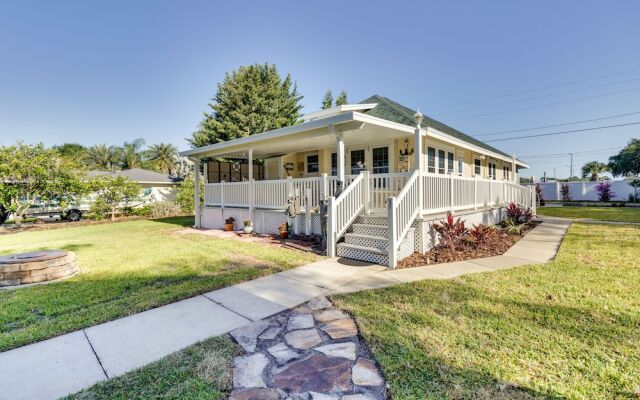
[(229, 224), (248, 226), (284, 230)]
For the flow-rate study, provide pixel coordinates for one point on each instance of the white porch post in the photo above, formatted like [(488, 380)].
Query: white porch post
[(251, 185), (419, 158), (339, 154), (196, 192), (513, 168)]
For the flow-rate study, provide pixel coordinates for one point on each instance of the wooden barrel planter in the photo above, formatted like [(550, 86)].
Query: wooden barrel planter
[(36, 267)]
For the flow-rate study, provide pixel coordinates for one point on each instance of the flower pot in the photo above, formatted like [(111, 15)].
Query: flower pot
[(284, 235), (228, 227), (247, 229)]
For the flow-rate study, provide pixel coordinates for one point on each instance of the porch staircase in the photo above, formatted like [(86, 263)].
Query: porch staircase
[(366, 240)]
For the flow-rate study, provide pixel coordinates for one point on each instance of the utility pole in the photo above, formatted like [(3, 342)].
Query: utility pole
[(571, 168)]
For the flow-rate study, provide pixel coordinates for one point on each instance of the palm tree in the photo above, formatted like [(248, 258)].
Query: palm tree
[(102, 156), (594, 168), (164, 156), (131, 157)]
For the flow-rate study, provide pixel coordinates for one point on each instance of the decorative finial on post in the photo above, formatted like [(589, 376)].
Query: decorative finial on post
[(418, 116)]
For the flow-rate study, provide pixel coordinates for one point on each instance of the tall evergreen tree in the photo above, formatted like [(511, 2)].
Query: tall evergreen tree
[(251, 100), (327, 100), (342, 98), (131, 155)]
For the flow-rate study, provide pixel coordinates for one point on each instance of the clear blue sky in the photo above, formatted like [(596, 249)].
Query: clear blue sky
[(106, 72)]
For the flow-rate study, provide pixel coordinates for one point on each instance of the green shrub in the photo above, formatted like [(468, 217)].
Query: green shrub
[(164, 209)]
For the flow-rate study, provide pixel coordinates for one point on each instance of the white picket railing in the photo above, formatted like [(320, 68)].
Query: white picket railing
[(383, 186), (345, 208), (401, 212)]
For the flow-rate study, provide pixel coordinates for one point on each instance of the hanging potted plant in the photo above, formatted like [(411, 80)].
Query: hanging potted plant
[(229, 224), (248, 226), (284, 230)]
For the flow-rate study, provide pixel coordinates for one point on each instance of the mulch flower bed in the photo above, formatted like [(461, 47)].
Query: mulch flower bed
[(495, 246)]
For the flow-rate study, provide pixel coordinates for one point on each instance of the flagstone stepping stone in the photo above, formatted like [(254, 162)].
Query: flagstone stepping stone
[(322, 396), (248, 371), (340, 328), (282, 353), (343, 350), (357, 397), (300, 322), (271, 333), (303, 339), (319, 303), (329, 315), (247, 336), (365, 373), (255, 394), (302, 310), (317, 373)]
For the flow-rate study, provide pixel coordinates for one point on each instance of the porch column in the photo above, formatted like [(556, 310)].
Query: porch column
[(339, 155), (513, 168), (419, 158), (251, 187), (196, 192)]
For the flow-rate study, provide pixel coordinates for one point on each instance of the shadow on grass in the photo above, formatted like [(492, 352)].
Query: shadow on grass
[(186, 221), (40, 312)]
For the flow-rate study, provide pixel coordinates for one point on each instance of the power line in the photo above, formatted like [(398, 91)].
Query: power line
[(575, 152), (563, 132), (557, 125), (540, 88), (538, 97), (548, 104)]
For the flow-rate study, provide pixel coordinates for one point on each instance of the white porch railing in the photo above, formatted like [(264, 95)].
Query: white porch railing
[(402, 211), (383, 186), (345, 208)]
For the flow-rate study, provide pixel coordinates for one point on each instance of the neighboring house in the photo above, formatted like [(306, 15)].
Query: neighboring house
[(357, 157), (155, 186)]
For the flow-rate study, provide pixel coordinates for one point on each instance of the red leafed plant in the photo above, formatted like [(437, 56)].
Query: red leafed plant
[(452, 231), (519, 214), (482, 234)]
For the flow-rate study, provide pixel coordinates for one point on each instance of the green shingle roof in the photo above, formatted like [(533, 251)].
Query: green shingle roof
[(395, 112)]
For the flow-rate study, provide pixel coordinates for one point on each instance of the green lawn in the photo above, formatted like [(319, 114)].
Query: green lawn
[(126, 267), (619, 214), (565, 329), (201, 371)]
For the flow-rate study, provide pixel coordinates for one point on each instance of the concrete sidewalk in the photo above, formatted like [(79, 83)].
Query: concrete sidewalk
[(68, 363)]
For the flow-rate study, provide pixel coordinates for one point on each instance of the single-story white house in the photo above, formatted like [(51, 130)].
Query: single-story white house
[(384, 171), (155, 186)]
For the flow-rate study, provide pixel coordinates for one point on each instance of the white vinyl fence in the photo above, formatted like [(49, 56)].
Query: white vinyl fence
[(585, 191)]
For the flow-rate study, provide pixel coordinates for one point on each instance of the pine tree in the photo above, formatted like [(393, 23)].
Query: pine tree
[(251, 100), (342, 98), (327, 100)]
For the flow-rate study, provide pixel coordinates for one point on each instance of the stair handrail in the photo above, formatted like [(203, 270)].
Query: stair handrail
[(401, 212), (344, 209)]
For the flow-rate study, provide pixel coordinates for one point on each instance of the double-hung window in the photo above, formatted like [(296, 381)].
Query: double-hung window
[(357, 161), (477, 167), (450, 163), (380, 157), (460, 165), (505, 173), (492, 170), (312, 164), (441, 161), (431, 160)]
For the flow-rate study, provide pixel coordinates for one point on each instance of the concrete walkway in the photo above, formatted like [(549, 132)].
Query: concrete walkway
[(68, 363)]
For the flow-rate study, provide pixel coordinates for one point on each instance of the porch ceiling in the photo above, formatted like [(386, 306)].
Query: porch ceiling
[(354, 133)]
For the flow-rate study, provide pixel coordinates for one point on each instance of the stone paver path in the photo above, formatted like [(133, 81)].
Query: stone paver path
[(311, 352), (66, 364)]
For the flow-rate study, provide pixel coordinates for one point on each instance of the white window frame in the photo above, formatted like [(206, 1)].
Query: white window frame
[(478, 173), (460, 165)]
